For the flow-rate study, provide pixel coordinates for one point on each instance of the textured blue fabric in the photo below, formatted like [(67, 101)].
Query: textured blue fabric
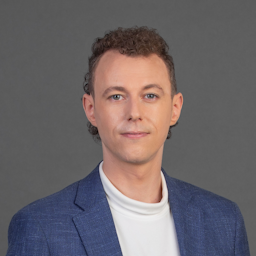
[(77, 221)]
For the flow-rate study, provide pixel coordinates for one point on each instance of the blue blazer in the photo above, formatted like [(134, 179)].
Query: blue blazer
[(77, 221)]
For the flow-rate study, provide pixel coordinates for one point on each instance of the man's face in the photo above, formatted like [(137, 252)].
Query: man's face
[(132, 106)]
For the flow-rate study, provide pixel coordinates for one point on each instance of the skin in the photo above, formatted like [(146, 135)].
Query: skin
[(133, 109)]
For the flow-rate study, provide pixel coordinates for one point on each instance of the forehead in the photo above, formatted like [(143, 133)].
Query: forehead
[(118, 69)]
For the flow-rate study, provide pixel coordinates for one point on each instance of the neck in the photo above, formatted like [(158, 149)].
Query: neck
[(141, 182)]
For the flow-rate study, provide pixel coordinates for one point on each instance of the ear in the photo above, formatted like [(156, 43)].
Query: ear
[(88, 105), (176, 108)]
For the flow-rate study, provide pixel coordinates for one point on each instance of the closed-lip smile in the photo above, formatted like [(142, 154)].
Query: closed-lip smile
[(134, 135)]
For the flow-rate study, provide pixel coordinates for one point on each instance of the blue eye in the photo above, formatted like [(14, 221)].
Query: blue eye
[(151, 96), (116, 97)]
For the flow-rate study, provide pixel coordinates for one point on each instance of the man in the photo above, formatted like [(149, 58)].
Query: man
[(128, 205)]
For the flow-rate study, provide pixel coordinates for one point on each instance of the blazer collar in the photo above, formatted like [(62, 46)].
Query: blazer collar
[(96, 227), (187, 216), (95, 224)]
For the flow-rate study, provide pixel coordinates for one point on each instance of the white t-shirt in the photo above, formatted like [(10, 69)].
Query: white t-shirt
[(142, 228)]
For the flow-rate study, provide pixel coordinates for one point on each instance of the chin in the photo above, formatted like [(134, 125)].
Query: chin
[(135, 159)]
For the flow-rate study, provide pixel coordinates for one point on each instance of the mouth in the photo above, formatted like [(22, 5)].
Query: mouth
[(134, 135)]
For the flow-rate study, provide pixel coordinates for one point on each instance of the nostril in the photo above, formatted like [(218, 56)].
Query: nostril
[(134, 118)]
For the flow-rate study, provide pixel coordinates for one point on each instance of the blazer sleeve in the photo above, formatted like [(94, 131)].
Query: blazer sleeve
[(26, 236), (241, 241)]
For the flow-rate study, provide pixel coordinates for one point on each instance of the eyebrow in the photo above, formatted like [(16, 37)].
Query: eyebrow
[(153, 86), (122, 89)]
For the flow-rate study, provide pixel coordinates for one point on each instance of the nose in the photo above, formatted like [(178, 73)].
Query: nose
[(134, 111)]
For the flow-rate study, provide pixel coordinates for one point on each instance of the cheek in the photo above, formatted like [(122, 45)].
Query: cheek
[(108, 119), (161, 118)]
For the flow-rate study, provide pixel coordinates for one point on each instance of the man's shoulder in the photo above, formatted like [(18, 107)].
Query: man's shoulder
[(60, 202), (200, 198), (54, 204)]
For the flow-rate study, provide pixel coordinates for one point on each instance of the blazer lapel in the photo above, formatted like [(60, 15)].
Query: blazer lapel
[(95, 224), (187, 217), (96, 227)]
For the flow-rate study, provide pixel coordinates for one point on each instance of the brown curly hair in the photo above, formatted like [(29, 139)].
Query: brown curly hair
[(135, 41)]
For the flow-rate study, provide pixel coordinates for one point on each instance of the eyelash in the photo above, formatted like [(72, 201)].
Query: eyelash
[(155, 96)]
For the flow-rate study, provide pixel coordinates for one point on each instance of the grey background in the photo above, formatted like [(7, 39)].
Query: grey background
[(45, 146)]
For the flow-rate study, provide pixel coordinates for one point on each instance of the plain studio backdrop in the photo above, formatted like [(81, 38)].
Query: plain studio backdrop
[(44, 49)]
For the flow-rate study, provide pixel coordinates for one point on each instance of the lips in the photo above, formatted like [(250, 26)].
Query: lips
[(134, 135)]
